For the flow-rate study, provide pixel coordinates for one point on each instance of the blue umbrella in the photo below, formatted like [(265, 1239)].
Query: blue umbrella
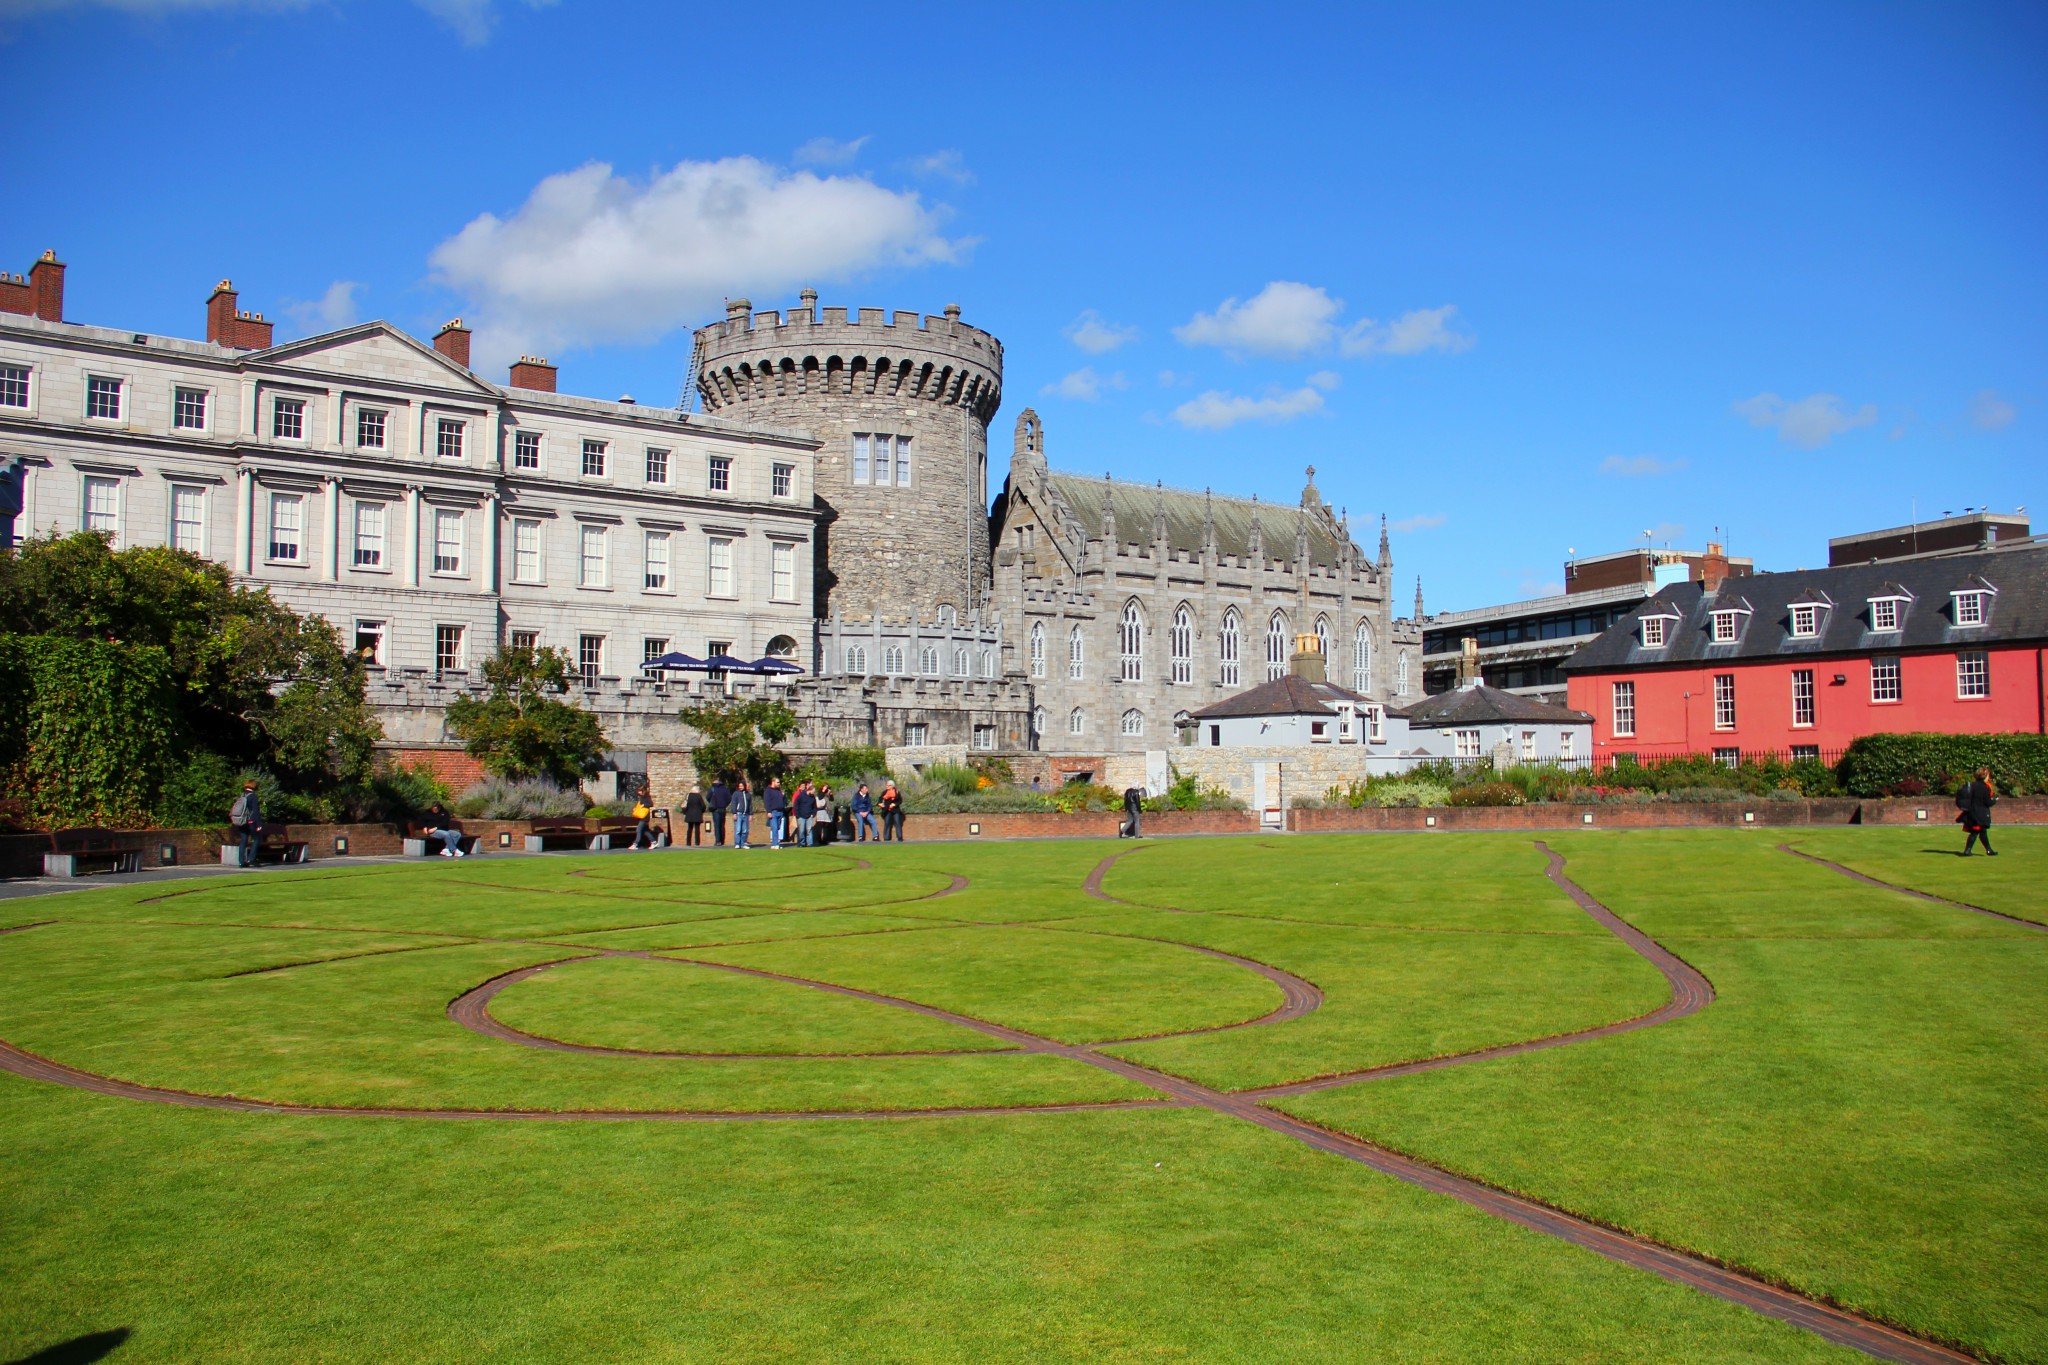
[(675, 662), (728, 664), (771, 664)]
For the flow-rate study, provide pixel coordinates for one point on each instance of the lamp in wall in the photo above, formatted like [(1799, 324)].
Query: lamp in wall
[(504, 838), (340, 844), (1841, 679), (167, 855), (974, 827)]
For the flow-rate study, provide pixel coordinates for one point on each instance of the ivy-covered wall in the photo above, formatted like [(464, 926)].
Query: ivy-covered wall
[(86, 728)]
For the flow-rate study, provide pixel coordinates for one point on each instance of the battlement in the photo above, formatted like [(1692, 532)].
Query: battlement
[(873, 330)]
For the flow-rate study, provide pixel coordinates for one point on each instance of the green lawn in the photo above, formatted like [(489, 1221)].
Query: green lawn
[(1858, 1114)]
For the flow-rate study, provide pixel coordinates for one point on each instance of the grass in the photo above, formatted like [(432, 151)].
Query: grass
[(1857, 1114)]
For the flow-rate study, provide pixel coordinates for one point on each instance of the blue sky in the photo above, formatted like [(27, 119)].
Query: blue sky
[(1524, 278)]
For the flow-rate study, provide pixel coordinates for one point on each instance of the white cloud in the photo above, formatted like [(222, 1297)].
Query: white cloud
[(829, 151), (1326, 380), (1097, 337), (1085, 385), (1284, 318), (594, 257), (330, 312), (1809, 422), (1414, 332), (1990, 412), (945, 164), (1427, 521), (1174, 379), (1214, 410), (471, 20), (1639, 467), (1668, 531)]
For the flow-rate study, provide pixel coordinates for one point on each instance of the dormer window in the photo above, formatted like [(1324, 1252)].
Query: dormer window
[(1886, 611), (1973, 606), (1727, 625), (1654, 631), (1805, 621)]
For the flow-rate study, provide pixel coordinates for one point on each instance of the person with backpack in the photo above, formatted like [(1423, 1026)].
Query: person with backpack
[(1973, 811), (245, 818), (718, 800)]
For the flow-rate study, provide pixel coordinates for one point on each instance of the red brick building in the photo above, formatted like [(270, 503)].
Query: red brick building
[(1799, 664)]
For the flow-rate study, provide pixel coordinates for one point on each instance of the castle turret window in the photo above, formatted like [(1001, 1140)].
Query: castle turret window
[(1361, 660), (1074, 656), (1131, 644), (1038, 650), (881, 459), (1276, 647), (1228, 640), (1181, 645)]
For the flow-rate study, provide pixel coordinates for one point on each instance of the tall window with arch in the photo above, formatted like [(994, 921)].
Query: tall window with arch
[(1323, 639), (1401, 674), (892, 659), (928, 661), (1038, 720), (1361, 660), (1276, 646), (1038, 649), (1133, 722), (1130, 644), (856, 659), (1077, 721), (1075, 653), (1181, 644), (1228, 640)]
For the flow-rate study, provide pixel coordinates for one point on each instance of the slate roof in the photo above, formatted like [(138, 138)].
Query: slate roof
[(1484, 705), (2017, 613), (1290, 695), (1135, 504)]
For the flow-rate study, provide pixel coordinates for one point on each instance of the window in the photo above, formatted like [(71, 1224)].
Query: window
[(892, 660), (13, 386), (1038, 720), (719, 559), (1074, 654), (1728, 758), (287, 517), (928, 661), (593, 459), (860, 457), (984, 736), (1806, 753), (959, 663), (447, 648), (1970, 608), (527, 565), (188, 518), (652, 648), (288, 419), (1361, 660), (1884, 613), (448, 438), (1724, 701), (103, 397), (1319, 732), (1130, 644), (1802, 696), (656, 578), (590, 658), (712, 651), (188, 408), (1654, 631), (1624, 708), (781, 571), (1528, 746), (370, 642), (1884, 680), (1038, 649), (1973, 674), (1727, 625), (595, 557), (526, 450), (985, 664), (902, 462), (1467, 742), (1077, 721), (370, 428), (781, 480), (1323, 640), (1805, 621), (657, 465), (1227, 650), (916, 734), (447, 541), (369, 548), (1180, 646), (1276, 647), (881, 459), (1567, 746), (856, 659), (1132, 723), (525, 641), (1401, 675), (721, 474)]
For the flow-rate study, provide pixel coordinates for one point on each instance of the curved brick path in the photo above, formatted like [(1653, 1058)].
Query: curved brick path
[(1853, 875)]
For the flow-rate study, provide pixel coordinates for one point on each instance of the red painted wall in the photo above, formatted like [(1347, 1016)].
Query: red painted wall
[(1675, 706)]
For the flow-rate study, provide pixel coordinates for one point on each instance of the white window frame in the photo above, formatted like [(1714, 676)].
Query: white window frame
[(984, 738), (657, 464), (856, 659), (448, 565), (1656, 631), (451, 438), (590, 650), (525, 444), (19, 378), (1375, 725), (1727, 626), (781, 480), (892, 660), (1077, 650), (1361, 659), (1077, 722), (277, 521), (1132, 723), (382, 420), (374, 631), (658, 563), (529, 550), (454, 658), (718, 474), (1180, 646), (917, 734), (1229, 650), (93, 395), (1805, 620), (781, 571), (1886, 614), (1567, 746), (1467, 743), (1887, 680), (1805, 699), (1038, 649), (596, 458), (719, 576), (1528, 746), (196, 542), (1624, 703), (1130, 639), (1973, 675), (1972, 607), (179, 393), (283, 405), (368, 525), (593, 570), (1276, 646), (928, 661), (1724, 701)]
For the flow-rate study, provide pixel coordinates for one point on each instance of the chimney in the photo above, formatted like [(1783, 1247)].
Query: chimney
[(227, 325), (453, 341), (1468, 663), (1308, 662), (1713, 567), (46, 287), (532, 372)]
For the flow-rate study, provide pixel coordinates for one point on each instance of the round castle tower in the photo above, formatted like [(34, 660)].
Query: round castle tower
[(901, 406)]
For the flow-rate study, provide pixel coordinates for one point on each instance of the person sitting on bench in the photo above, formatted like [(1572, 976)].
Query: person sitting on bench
[(437, 823)]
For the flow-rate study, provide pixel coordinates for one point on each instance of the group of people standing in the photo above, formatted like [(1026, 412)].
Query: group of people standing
[(805, 815)]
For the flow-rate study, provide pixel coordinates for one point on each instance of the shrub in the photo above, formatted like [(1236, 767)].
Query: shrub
[(854, 764), (1487, 794), (1703, 794), (1877, 765), (199, 792), (96, 725), (533, 798), (957, 778), (1092, 796)]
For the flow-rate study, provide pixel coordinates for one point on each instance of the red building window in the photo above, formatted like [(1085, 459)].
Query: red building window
[(1724, 701), (1973, 675), (1884, 681), (1624, 708), (1802, 696)]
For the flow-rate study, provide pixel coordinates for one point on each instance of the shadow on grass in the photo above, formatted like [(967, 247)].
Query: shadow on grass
[(79, 1350)]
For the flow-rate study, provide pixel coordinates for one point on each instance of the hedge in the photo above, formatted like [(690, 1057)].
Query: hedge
[(1881, 765), (88, 728)]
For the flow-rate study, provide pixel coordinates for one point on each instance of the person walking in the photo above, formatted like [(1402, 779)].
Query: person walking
[(693, 819), (891, 806), (806, 807), (777, 804), (1134, 805), (741, 804), (718, 800), (863, 804), (437, 823), (245, 818), (643, 833), (1973, 811)]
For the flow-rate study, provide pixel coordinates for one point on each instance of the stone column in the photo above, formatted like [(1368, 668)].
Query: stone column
[(245, 516), (412, 536), (492, 548), (333, 529)]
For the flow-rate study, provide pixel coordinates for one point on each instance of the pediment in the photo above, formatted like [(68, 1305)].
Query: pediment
[(374, 352)]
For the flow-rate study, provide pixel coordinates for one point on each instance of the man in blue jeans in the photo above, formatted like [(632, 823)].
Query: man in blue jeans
[(778, 807), (742, 807), (805, 807), (246, 819), (864, 815)]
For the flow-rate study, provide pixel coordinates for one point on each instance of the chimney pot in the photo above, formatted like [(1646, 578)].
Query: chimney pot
[(452, 341), (533, 372), (229, 326)]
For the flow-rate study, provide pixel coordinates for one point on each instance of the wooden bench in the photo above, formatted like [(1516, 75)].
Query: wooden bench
[(417, 844), (613, 831), (274, 844), (561, 833), (76, 852)]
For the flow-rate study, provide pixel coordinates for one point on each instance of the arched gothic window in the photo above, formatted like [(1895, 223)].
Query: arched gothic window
[(928, 661), (1181, 644), (856, 659), (1077, 721), (1130, 641), (1361, 660), (1227, 650), (892, 659), (1323, 639), (1074, 655), (1276, 646), (988, 663), (1401, 675), (1133, 722), (1038, 649), (959, 663), (1038, 720)]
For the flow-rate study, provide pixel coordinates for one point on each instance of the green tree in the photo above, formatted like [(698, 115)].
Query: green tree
[(740, 737), (523, 729)]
